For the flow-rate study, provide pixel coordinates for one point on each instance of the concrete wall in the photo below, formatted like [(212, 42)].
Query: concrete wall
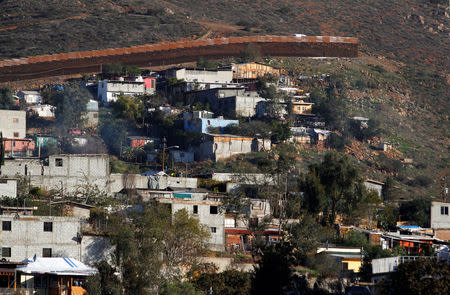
[(217, 239), (8, 188), (110, 90), (221, 147), (208, 76), (13, 122), (385, 265), (202, 125), (378, 188), (240, 106), (76, 170), (45, 110), (439, 220), (28, 238), (95, 249)]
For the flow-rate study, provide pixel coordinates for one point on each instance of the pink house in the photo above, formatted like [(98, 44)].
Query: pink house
[(19, 146)]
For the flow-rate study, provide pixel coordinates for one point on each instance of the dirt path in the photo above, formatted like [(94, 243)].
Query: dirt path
[(45, 21)]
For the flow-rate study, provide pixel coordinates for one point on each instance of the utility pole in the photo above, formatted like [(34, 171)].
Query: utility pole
[(164, 153)]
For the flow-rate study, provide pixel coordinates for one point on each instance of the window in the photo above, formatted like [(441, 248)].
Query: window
[(95, 115), (195, 210), (444, 210), (16, 134), (213, 230), (48, 226), (6, 225), (15, 120), (298, 108), (6, 252), (212, 209), (46, 252), (58, 162)]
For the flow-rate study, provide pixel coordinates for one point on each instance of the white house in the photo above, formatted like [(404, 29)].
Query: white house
[(13, 123), (43, 110), (8, 187), (110, 90), (440, 219), (30, 96)]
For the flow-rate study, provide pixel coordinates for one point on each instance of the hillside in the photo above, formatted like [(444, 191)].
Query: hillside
[(407, 30), (401, 78)]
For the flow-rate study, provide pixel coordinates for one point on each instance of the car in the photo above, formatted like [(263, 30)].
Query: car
[(76, 131)]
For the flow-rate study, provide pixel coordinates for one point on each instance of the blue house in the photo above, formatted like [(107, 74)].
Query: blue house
[(202, 125)]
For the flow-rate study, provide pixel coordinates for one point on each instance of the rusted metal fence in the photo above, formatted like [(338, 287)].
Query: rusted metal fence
[(166, 53)]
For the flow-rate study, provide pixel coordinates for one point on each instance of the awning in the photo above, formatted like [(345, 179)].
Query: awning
[(57, 266)]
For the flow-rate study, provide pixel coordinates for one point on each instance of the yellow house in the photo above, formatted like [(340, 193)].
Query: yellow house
[(253, 70), (350, 257), (301, 107)]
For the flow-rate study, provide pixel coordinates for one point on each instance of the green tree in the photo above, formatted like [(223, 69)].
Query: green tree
[(178, 288), (425, 276), (388, 191), (304, 236), (313, 192), (417, 211), (146, 240), (6, 98), (340, 182), (387, 218), (129, 108), (273, 272), (229, 282), (71, 106), (105, 282), (113, 134), (280, 131)]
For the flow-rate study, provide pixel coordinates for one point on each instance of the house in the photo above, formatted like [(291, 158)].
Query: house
[(91, 116), (440, 220), (252, 71), (30, 96), (8, 187), (222, 146), (302, 135), (362, 121), (13, 124), (109, 90), (55, 275), (321, 135), (350, 257), (200, 76), (301, 107), (43, 236), (204, 207), (227, 101), (203, 125), (141, 141), (45, 111), (235, 180), (65, 172), (44, 140), (19, 147), (25, 236), (374, 185), (70, 208), (384, 146)]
